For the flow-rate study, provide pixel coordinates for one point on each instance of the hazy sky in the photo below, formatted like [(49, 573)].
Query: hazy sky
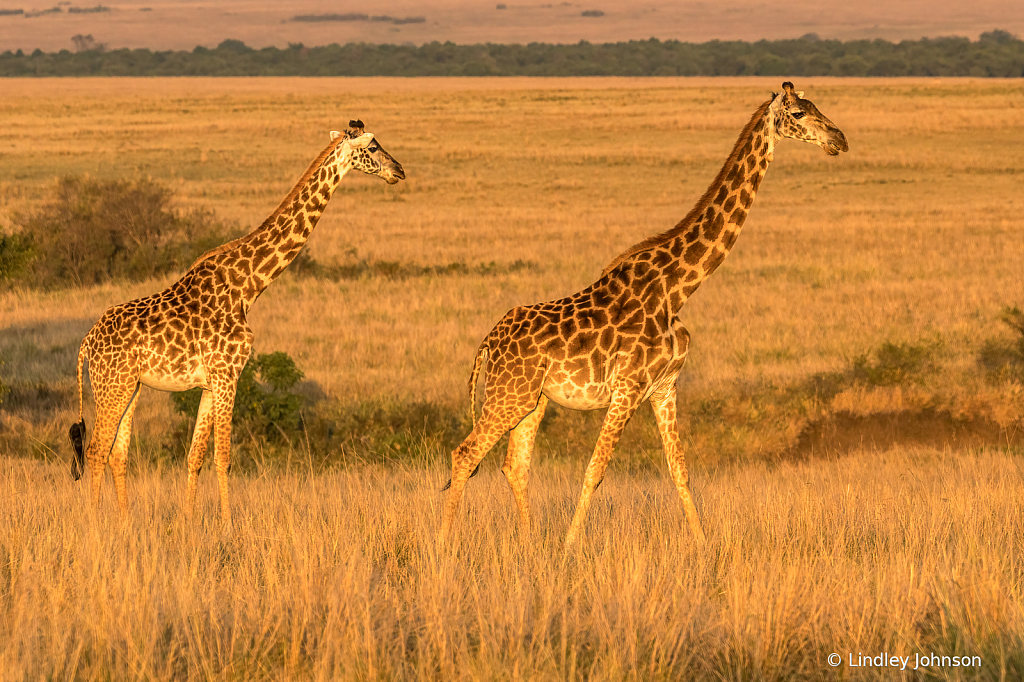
[(183, 24)]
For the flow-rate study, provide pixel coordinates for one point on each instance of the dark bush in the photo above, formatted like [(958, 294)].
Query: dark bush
[(4, 390), (95, 231), (15, 255), (996, 53), (1004, 358), (894, 364), (265, 405)]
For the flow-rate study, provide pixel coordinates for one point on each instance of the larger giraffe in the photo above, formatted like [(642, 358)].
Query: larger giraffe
[(195, 333), (620, 341)]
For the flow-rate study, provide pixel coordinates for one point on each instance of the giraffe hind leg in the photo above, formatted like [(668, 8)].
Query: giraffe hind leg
[(119, 451), (465, 461), (197, 450), (466, 458), (449, 483), (517, 460), (664, 404), (112, 406)]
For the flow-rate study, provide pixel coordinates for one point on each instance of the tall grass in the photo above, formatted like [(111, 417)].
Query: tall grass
[(337, 575)]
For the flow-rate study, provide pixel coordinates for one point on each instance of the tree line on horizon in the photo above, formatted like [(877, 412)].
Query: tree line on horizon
[(996, 53)]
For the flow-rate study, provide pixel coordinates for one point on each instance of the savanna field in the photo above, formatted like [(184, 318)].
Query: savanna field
[(852, 405)]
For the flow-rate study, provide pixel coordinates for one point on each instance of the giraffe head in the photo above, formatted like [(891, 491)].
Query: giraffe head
[(366, 154), (799, 119)]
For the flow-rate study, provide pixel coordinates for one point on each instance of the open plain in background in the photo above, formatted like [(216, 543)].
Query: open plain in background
[(182, 25), (520, 191)]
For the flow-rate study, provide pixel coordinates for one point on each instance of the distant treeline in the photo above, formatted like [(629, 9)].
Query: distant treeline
[(996, 54)]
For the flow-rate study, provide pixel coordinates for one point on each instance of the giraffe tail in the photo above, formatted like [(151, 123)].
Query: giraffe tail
[(481, 357), (77, 431)]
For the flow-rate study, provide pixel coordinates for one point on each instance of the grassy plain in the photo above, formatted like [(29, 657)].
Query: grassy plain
[(914, 237)]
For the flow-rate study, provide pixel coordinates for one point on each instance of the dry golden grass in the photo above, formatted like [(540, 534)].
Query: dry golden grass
[(337, 576)]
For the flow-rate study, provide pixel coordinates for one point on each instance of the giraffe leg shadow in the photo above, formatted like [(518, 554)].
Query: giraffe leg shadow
[(664, 405)]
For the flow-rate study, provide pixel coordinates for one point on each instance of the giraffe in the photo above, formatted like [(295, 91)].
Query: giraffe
[(194, 333), (620, 341)]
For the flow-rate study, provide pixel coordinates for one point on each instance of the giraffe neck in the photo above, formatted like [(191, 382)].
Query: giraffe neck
[(254, 261), (688, 253)]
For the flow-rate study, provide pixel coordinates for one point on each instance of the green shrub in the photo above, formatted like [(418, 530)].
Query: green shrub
[(265, 405), (353, 268), (1004, 358), (894, 364), (15, 256), (4, 390), (94, 231)]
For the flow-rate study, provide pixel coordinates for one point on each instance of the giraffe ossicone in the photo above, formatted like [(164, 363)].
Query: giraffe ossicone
[(620, 341), (195, 334)]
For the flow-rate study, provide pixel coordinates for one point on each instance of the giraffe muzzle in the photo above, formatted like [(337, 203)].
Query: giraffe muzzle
[(397, 173), (837, 143)]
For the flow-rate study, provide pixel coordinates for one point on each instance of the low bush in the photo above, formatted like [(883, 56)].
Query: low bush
[(95, 231), (353, 268), (895, 364), (15, 256), (1004, 358), (4, 390), (265, 404)]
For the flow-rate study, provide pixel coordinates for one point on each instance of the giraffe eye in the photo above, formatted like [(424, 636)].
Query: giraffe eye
[(798, 114), (373, 148)]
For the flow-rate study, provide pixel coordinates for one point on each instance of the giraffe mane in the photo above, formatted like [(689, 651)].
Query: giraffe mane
[(702, 203), (296, 190)]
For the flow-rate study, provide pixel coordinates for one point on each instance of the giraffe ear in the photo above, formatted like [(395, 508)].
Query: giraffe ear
[(335, 135), (800, 94)]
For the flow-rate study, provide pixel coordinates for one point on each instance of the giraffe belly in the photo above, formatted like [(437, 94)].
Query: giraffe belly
[(175, 381), (590, 397)]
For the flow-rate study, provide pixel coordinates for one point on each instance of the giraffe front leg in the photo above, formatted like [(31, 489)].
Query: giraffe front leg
[(223, 407), (517, 460), (197, 450), (624, 404), (664, 404), (119, 452)]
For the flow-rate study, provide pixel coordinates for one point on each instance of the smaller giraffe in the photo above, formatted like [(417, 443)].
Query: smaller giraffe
[(620, 341), (195, 333)]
